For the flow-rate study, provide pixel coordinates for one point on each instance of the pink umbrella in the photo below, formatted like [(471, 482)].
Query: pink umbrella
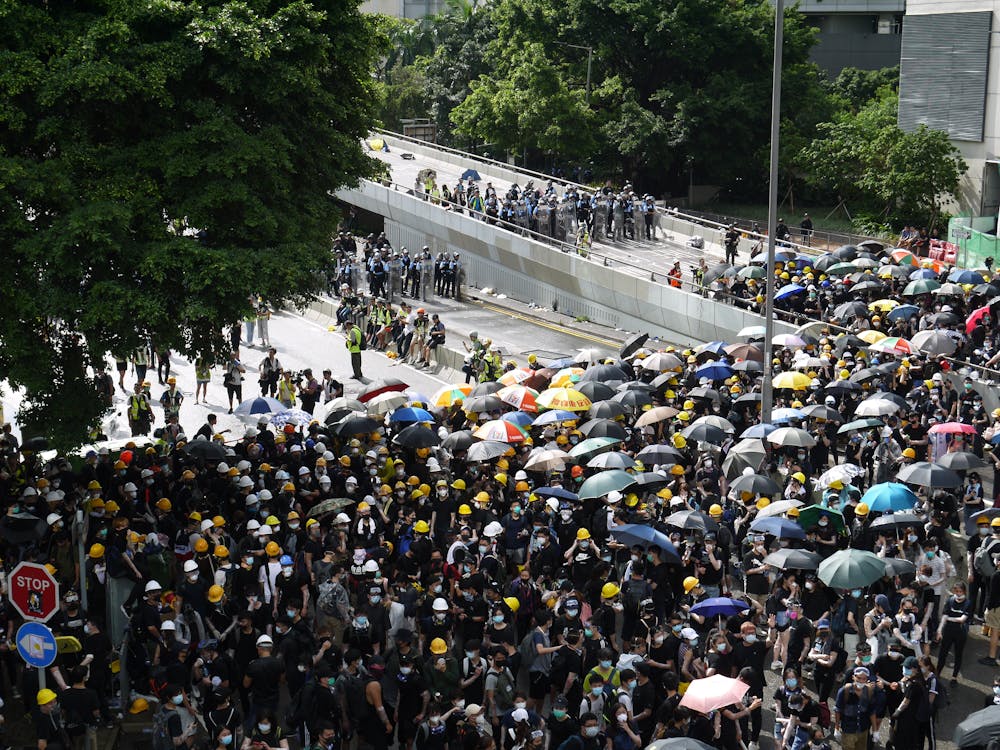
[(710, 693), (953, 427), (975, 317)]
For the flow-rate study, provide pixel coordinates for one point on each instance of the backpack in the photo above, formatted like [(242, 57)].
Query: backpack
[(527, 649), (635, 593), (161, 739), (326, 602), (838, 619), (611, 703), (982, 561)]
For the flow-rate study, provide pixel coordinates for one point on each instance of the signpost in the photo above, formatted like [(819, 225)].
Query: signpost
[(34, 593)]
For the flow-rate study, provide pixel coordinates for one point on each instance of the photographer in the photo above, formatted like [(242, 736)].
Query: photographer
[(309, 390), (233, 380), (269, 371)]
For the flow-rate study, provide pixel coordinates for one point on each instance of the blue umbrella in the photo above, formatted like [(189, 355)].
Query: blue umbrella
[(965, 276), (714, 371), (556, 415), (903, 312), (557, 492), (760, 430), (564, 362), (786, 415), (644, 536), (923, 273), (784, 257), (789, 290), (471, 174), (411, 414), (520, 418), (889, 497), (715, 347), (259, 405), (719, 606), (783, 528)]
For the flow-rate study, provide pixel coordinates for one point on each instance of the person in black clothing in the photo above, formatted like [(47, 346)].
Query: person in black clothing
[(81, 709), (560, 724), (262, 679)]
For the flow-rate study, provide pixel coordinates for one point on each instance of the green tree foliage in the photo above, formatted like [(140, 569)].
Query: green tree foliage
[(857, 87), (159, 162), (897, 177)]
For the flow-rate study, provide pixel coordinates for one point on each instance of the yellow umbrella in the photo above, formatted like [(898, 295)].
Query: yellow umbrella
[(871, 336), (566, 377), (883, 305), (450, 394), (566, 399), (797, 381)]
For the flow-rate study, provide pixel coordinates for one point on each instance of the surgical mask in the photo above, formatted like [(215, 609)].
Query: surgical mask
[(294, 525), (584, 544), (483, 550), (677, 628), (291, 612), (907, 671), (959, 597), (996, 690), (227, 740), (984, 531), (515, 511), (405, 670), (264, 728), (750, 638), (177, 700), (470, 655), (435, 720), (572, 612), (590, 731), (588, 632), (856, 593), (520, 704), (375, 599), (597, 690), (605, 664), (497, 618), (722, 647), (622, 718), (911, 538), (791, 683), (930, 555), (287, 571), (824, 522), (560, 714)]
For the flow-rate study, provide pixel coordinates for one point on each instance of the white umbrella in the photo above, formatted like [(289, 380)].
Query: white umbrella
[(657, 414), (752, 332), (387, 402), (338, 404), (590, 356), (843, 472), (660, 361), (716, 421), (876, 407), (778, 508), (546, 460), (789, 340)]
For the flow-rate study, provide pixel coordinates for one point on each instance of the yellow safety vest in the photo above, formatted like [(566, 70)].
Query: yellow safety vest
[(354, 340), (286, 390)]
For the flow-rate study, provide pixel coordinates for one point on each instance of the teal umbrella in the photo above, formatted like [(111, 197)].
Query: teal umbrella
[(605, 482), (921, 286), (809, 517), (593, 446), (851, 569)]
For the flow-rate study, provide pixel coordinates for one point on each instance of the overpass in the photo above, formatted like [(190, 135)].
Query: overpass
[(620, 284)]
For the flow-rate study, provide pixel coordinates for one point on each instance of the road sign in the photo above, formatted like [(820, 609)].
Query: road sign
[(34, 593), (36, 644)]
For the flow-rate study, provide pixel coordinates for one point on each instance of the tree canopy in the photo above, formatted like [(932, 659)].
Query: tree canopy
[(160, 161)]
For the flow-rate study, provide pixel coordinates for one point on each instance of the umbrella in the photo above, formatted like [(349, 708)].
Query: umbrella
[(896, 521), (340, 406), (603, 428), (821, 411), (557, 492), (642, 535), (789, 340), (797, 381), (515, 377), (471, 174), (633, 344), (704, 433), (883, 305), (546, 460), (783, 528), (595, 391), (860, 424), (934, 343), (791, 437), (920, 286), (735, 465), (716, 421), (892, 345), (383, 385), (612, 460), (566, 377), (745, 351), (810, 515), (356, 424), (965, 276), (411, 414), (709, 693), (978, 728), (841, 269), (759, 430), (678, 743), (789, 290), (926, 474), (519, 396), (851, 569), (592, 446), (333, 505), (386, 402), (656, 414), (793, 559), (876, 407), (660, 454), (949, 290), (554, 416), (975, 316), (903, 312), (603, 373), (692, 520), (417, 436), (871, 336), (259, 405), (635, 399), (785, 415), (450, 394), (461, 440), (889, 497), (719, 606), (756, 484), (717, 272), (650, 481), (714, 371), (481, 404), (701, 392), (961, 461), (606, 409), (895, 566), (605, 482), (426, 174), (922, 273), (850, 310), (500, 431), (291, 416), (486, 450), (520, 418), (563, 398), (486, 389), (752, 332), (209, 450), (778, 508), (952, 428)]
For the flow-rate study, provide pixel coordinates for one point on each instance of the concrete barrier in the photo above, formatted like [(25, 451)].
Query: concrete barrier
[(531, 271)]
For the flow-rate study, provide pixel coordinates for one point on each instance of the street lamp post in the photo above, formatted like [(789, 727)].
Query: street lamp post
[(590, 59), (767, 393)]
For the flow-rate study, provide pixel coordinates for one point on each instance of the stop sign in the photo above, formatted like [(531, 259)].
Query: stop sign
[(33, 591)]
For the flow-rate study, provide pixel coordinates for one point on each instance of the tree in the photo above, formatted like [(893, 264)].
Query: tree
[(160, 162), (896, 177), (857, 87)]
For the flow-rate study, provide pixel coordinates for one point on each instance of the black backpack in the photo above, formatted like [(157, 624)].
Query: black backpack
[(635, 592)]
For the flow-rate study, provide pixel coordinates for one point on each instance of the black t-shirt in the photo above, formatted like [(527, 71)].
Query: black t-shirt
[(756, 583), (266, 674), (49, 727), (79, 706)]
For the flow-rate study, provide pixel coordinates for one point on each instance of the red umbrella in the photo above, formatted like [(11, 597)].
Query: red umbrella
[(975, 317), (953, 427)]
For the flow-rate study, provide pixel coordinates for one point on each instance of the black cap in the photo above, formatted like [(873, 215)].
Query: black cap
[(910, 662)]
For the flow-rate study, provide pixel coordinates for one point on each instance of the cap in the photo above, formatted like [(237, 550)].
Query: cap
[(472, 709)]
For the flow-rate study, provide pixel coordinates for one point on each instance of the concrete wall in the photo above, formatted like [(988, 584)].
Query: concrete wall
[(529, 271)]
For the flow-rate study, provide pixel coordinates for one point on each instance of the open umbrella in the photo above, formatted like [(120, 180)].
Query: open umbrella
[(903, 312), (756, 484), (876, 407), (642, 535), (716, 421), (851, 569), (461, 440), (605, 482), (978, 728), (752, 332), (380, 386), (790, 379), (603, 428), (660, 454), (791, 437), (592, 446), (810, 515), (209, 450), (650, 481), (450, 394), (635, 399), (546, 460), (259, 405), (656, 414), (953, 428), (554, 417), (793, 559), (710, 693), (704, 433), (566, 399), (471, 174), (612, 460), (386, 402), (411, 414), (519, 396), (333, 505), (607, 409), (860, 424), (961, 461), (291, 416), (566, 377), (417, 436), (714, 371), (678, 743), (557, 492), (486, 450), (786, 415), (633, 344), (482, 404), (520, 418), (691, 520), (595, 391), (603, 373), (895, 566), (889, 497), (920, 286), (783, 528), (778, 508), (934, 343), (821, 411), (926, 474), (661, 362), (759, 430), (500, 431), (357, 424), (736, 465), (897, 521), (719, 606)]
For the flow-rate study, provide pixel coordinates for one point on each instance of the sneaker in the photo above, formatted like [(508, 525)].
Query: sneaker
[(954, 682), (989, 662), (776, 665)]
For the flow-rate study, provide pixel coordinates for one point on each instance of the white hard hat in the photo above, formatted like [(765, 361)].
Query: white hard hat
[(614, 497), (521, 476), (146, 473), (325, 480), (129, 487), (168, 625), (439, 605), (153, 586), (264, 530), (207, 524), (245, 482), (222, 468), (303, 470), (370, 567), (552, 503), (243, 465), (265, 495), (253, 525), (264, 640), (190, 566), (342, 518), (52, 518)]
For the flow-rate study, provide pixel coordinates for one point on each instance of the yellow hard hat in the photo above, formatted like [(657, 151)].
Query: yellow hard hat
[(512, 602), (111, 506), (715, 510), (631, 500), (423, 452), (272, 549), (665, 493), (609, 590), (364, 506), (680, 442), (93, 484), (677, 470), (836, 484), (861, 510), (138, 706), (799, 477), (96, 551), (688, 406), (51, 568), (458, 484), (763, 503), (521, 486), (464, 510), (689, 583), (218, 521), (502, 464), (194, 516), (272, 521), (438, 646), (221, 551), (215, 594), (582, 534), (96, 503), (562, 440), (793, 512), (44, 697), (995, 523), (909, 453), (421, 527), (501, 477), (413, 481), (482, 497), (684, 416), (200, 545)]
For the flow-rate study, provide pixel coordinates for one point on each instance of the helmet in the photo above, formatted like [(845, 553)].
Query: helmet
[(93, 484), (439, 605), (215, 594), (138, 706), (715, 510), (96, 551), (152, 586), (164, 504), (482, 497), (221, 551), (464, 510), (861, 510), (286, 560), (763, 502), (201, 545), (521, 487), (995, 523), (272, 549), (438, 646), (370, 567), (582, 534), (190, 566), (609, 590), (218, 521), (44, 697), (339, 518), (689, 583), (909, 453), (265, 641), (421, 527), (512, 603), (458, 484), (364, 506)]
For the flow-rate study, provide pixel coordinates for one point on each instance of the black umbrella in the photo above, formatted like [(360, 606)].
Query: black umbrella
[(691, 520), (865, 374), (650, 481), (337, 414), (633, 344), (603, 373), (821, 411), (749, 398), (606, 410), (718, 271), (894, 566), (485, 389), (943, 319), (22, 527), (845, 253), (961, 461), (756, 484), (849, 341), (634, 399), (703, 392), (747, 365), (842, 387), (355, 424), (595, 391), (603, 428), (632, 385), (705, 433), (889, 396), (417, 436), (206, 449), (926, 474), (824, 261), (483, 403), (458, 441), (662, 381), (896, 521), (793, 559), (661, 454), (868, 285), (851, 309)]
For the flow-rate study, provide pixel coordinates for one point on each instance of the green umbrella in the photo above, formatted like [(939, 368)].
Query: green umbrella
[(841, 269), (860, 424), (751, 272), (809, 516), (593, 446), (605, 482), (851, 569), (921, 286)]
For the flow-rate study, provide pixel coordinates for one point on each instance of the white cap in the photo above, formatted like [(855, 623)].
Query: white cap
[(52, 519), (253, 524), (688, 633), (519, 714), (245, 482), (433, 465), (190, 566), (222, 468), (295, 448), (342, 518), (168, 625), (153, 586), (129, 487), (251, 432), (29, 492), (440, 605), (372, 455), (264, 640), (207, 524), (552, 503)]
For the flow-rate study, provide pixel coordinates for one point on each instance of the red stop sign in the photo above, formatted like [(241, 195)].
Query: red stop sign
[(33, 591)]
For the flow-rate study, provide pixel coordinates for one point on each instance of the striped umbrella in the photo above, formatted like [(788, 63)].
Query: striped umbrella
[(520, 397)]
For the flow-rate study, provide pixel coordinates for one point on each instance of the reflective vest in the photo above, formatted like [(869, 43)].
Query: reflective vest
[(354, 340), (286, 391), (137, 404)]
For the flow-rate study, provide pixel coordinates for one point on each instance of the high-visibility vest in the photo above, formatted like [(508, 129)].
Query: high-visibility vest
[(286, 391), (354, 340), (136, 404)]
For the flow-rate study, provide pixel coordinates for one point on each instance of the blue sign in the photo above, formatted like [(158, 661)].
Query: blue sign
[(36, 644)]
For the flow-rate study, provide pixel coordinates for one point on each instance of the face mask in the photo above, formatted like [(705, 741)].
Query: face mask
[(227, 740), (303, 668), (287, 571), (483, 550), (497, 618), (632, 684), (291, 612), (984, 531), (439, 616), (361, 622), (622, 718), (588, 632), (470, 655), (520, 704), (293, 525), (192, 577), (791, 683), (911, 538), (930, 555), (823, 523), (405, 670), (584, 544), (436, 588), (560, 714), (460, 703), (435, 720), (907, 672), (996, 690), (959, 597), (265, 728), (856, 593), (248, 561), (597, 690), (866, 659), (750, 638), (572, 612), (590, 731), (515, 512), (177, 700), (605, 664)]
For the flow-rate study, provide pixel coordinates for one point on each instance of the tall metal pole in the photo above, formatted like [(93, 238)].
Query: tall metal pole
[(767, 394), (590, 59)]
